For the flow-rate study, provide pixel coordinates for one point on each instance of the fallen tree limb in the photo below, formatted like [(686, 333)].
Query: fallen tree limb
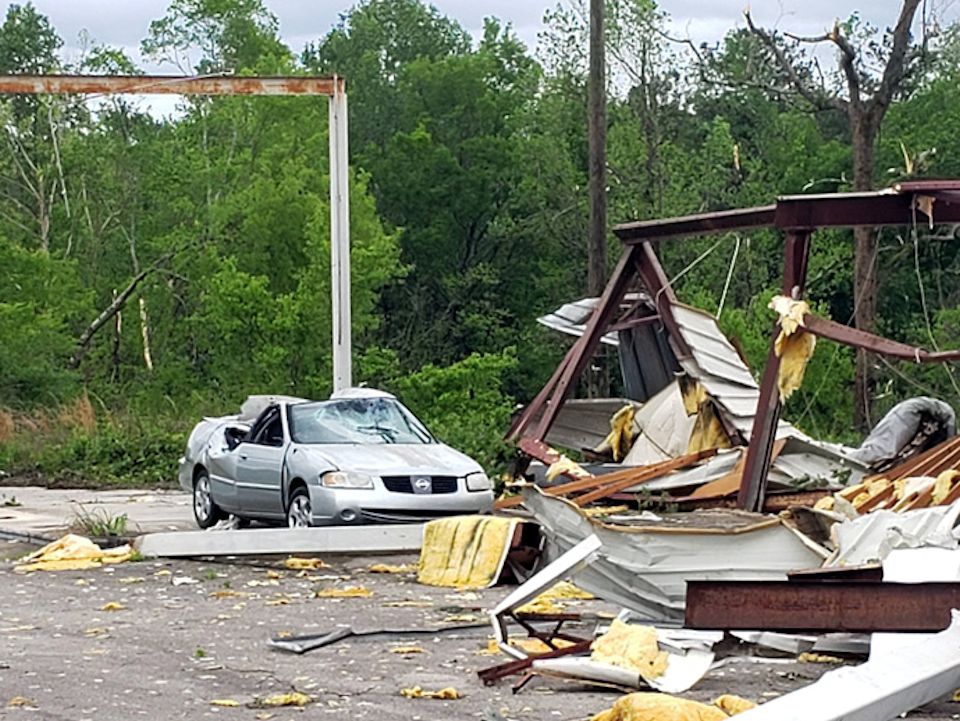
[(119, 300)]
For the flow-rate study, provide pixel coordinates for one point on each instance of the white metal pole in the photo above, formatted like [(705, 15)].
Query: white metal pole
[(340, 239)]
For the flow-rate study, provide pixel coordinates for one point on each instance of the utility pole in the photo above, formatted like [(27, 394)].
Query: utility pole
[(597, 131)]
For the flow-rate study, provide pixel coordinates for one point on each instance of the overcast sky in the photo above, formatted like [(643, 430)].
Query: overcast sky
[(124, 23)]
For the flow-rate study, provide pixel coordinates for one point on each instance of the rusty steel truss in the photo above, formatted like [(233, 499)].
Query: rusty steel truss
[(798, 217)]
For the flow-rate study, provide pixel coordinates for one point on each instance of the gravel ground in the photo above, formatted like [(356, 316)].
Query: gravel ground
[(177, 645)]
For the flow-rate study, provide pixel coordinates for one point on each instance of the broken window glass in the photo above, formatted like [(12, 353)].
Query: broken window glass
[(357, 420)]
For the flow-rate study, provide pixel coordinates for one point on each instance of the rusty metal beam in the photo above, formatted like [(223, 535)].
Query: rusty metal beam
[(926, 186), (658, 285), (700, 224), (774, 503), (535, 407), (846, 210), (894, 206), (635, 323), (491, 675), (606, 309), (796, 606), (753, 483), (169, 85), (831, 330)]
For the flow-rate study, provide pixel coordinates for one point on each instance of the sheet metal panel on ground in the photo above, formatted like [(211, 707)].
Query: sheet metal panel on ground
[(645, 567)]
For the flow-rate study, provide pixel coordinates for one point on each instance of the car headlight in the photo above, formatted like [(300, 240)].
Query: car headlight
[(478, 482), (346, 479)]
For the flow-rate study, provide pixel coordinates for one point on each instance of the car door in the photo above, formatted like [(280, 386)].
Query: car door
[(221, 463), (260, 467)]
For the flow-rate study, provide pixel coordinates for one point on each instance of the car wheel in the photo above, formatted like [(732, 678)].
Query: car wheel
[(299, 512), (205, 510)]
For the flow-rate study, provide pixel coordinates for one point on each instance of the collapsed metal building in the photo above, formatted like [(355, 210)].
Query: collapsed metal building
[(640, 312)]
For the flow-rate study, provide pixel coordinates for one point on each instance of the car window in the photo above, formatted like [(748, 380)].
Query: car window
[(270, 432), (357, 421)]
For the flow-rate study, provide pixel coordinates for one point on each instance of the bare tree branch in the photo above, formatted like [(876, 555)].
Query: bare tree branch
[(848, 63), (895, 69), (817, 98), (809, 38)]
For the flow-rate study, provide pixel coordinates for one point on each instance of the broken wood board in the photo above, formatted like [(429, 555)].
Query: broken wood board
[(268, 541), (614, 482)]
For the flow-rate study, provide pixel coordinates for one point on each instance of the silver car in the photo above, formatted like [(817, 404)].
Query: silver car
[(360, 457)]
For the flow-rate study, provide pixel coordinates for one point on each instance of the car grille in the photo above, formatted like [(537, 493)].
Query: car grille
[(383, 515), (404, 484)]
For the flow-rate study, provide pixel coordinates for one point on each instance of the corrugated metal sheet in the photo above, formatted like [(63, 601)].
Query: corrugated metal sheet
[(572, 319), (584, 422), (646, 568), (717, 365)]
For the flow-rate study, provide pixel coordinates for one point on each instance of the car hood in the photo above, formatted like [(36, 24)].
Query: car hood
[(393, 459)]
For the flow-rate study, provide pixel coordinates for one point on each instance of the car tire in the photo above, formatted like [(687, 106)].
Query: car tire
[(299, 509), (205, 511)]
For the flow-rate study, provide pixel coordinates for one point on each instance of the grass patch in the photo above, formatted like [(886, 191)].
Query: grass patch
[(71, 447), (99, 523)]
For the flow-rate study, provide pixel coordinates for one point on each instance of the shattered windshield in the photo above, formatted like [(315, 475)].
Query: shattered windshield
[(356, 420)]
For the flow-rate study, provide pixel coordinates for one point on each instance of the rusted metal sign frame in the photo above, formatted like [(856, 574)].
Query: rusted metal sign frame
[(801, 605), (333, 87)]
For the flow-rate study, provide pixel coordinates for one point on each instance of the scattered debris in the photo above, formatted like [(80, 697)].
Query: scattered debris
[(631, 647), (416, 692), (21, 702), (882, 688), (292, 698), (406, 650), (387, 568), (719, 543), (295, 563), (407, 604), (643, 706), (810, 657), (113, 606), (345, 592), (72, 553), (225, 702), (310, 642)]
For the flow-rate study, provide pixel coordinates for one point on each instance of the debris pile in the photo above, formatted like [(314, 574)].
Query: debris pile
[(696, 504)]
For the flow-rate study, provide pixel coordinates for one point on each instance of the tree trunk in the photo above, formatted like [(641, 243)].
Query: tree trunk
[(863, 135), (597, 130)]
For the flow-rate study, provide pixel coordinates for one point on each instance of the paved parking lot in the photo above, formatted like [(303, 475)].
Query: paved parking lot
[(49, 512), (191, 632)]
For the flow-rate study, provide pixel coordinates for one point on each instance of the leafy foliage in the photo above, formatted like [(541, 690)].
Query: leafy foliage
[(468, 219)]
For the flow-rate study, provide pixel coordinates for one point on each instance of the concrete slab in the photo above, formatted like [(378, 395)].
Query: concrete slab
[(50, 512), (269, 541)]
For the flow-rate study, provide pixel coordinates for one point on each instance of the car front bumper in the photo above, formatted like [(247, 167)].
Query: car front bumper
[(344, 506)]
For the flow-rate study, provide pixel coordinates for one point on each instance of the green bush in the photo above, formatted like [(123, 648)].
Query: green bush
[(464, 404)]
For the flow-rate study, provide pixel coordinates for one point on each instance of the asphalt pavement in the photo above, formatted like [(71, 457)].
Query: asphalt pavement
[(165, 639)]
